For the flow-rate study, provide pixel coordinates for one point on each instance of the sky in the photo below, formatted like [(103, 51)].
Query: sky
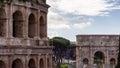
[(68, 18)]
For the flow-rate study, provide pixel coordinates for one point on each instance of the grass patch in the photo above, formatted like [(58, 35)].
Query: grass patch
[(64, 65)]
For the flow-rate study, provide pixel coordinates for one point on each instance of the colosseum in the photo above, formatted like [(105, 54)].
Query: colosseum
[(97, 51), (23, 34)]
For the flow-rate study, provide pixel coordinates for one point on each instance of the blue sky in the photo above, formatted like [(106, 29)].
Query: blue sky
[(68, 18)]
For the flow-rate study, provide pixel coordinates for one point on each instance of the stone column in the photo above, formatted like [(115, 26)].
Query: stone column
[(106, 64), (91, 62), (51, 61), (10, 22), (46, 62), (37, 16), (45, 31), (25, 23), (78, 57)]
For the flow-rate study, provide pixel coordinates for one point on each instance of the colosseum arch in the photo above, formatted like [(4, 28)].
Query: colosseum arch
[(112, 63), (42, 27), (17, 24), (31, 26), (2, 64), (17, 64), (41, 63), (2, 22), (31, 63), (99, 59)]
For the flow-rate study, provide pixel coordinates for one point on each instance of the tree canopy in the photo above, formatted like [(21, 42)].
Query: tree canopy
[(60, 46), (60, 41)]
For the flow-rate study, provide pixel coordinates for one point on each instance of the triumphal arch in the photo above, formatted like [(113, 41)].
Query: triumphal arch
[(23, 34), (97, 51)]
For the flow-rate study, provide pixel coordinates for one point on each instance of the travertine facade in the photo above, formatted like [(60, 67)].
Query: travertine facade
[(23, 34), (96, 51)]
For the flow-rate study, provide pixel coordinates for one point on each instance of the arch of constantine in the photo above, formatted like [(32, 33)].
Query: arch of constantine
[(23, 34), (96, 51)]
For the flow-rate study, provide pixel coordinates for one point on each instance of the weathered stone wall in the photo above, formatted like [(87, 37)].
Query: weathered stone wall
[(89, 45), (24, 45)]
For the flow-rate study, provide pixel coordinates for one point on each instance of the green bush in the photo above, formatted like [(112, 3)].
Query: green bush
[(64, 66)]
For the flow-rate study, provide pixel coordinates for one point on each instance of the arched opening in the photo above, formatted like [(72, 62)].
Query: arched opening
[(41, 63), (112, 63), (17, 24), (2, 64), (17, 64), (85, 63), (31, 26), (31, 63), (42, 28), (48, 62), (2, 23), (99, 59)]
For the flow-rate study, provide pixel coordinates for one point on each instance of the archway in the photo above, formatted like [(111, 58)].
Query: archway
[(31, 63), (2, 23), (42, 27), (2, 64), (17, 64), (112, 63), (85, 63), (31, 26), (41, 63), (17, 24), (99, 59)]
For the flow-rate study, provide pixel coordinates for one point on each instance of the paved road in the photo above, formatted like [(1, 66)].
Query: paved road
[(71, 66)]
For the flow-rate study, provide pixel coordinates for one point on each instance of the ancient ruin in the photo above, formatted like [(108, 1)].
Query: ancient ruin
[(97, 51), (23, 34)]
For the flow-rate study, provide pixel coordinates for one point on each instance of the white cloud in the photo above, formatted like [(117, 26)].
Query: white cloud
[(53, 34), (57, 21), (82, 25), (82, 7)]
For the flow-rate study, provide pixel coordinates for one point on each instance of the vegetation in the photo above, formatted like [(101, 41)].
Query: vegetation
[(60, 46), (71, 52), (1, 1), (64, 66), (118, 63)]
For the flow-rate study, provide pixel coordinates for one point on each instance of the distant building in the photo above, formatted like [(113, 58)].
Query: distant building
[(97, 51), (23, 34)]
